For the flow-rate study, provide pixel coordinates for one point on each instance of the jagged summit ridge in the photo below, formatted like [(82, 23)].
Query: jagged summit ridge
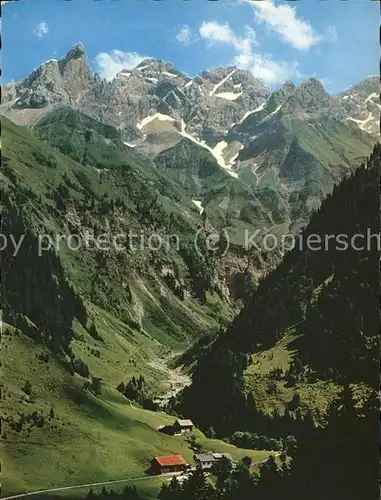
[(209, 106), (55, 82), (76, 51)]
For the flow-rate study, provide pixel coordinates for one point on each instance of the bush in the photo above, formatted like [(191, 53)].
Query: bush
[(94, 386), (295, 402), (47, 160), (43, 356), (194, 444), (80, 367), (271, 387), (27, 388), (137, 390), (290, 445), (94, 333), (210, 433), (253, 441)]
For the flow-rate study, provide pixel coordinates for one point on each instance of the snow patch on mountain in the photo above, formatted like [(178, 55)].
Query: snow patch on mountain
[(230, 96), (149, 119), (216, 87), (219, 152), (254, 169), (219, 148), (216, 152), (259, 108), (199, 205), (167, 73), (362, 123), (371, 96), (271, 114)]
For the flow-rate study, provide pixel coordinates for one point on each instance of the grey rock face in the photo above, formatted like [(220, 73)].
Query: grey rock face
[(300, 144), (54, 82), (361, 104), (208, 104), (264, 133), (211, 105), (286, 148)]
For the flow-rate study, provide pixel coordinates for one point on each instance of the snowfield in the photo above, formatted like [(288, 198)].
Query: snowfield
[(172, 75), (157, 116), (199, 205), (230, 96), (362, 123), (216, 152)]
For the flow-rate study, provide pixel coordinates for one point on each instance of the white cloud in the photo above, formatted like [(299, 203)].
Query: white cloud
[(111, 63), (215, 33), (270, 71), (41, 30), (185, 35), (283, 20), (261, 66)]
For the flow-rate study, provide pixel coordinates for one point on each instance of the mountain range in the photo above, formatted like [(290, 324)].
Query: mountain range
[(285, 148), (266, 340)]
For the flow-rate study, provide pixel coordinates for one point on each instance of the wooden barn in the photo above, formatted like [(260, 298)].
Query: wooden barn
[(168, 463), (183, 426)]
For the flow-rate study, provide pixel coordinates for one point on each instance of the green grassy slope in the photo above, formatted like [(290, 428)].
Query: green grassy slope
[(142, 305), (140, 287), (91, 143), (275, 394), (88, 439)]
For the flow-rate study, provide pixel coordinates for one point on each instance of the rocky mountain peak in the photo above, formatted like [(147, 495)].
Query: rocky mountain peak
[(367, 85), (288, 87), (76, 51), (55, 82), (361, 104), (76, 57), (312, 85), (156, 66), (206, 107), (309, 97), (216, 74)]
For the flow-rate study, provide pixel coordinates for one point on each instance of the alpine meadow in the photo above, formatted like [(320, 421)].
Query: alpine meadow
[(190, 245)]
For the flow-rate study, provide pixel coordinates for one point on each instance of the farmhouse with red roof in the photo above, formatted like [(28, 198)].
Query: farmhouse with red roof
[(168, 463)]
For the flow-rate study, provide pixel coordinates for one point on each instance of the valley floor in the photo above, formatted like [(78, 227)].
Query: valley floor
[(175, 379)]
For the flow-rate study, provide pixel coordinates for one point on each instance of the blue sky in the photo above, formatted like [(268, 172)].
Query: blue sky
[(336, 41)]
